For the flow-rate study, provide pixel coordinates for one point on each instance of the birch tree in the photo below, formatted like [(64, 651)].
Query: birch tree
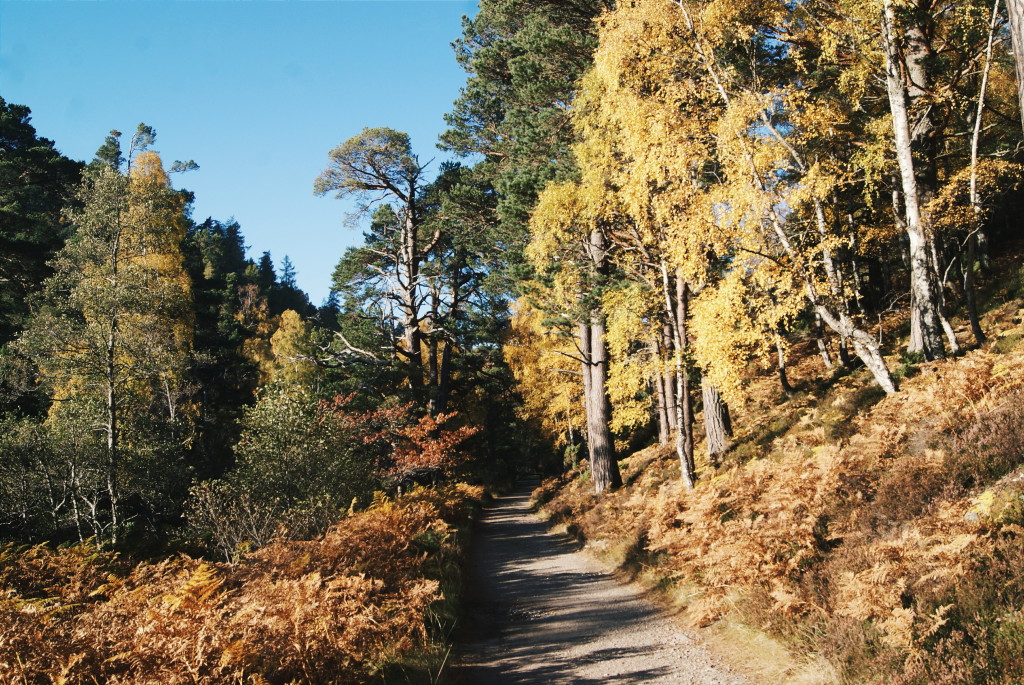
[(113, 336)]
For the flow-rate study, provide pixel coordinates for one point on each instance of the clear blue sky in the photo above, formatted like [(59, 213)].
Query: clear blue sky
[(255, 92)]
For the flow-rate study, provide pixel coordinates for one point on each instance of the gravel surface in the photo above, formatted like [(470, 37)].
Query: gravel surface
[(539, 611)]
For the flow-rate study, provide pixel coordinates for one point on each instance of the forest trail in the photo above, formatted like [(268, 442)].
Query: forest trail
[(540, 611)]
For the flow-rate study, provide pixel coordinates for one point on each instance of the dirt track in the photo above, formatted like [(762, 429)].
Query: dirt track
[(539, 611)]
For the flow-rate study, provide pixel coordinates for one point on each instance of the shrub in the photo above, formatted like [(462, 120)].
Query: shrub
[(338, 609), (991, 445)]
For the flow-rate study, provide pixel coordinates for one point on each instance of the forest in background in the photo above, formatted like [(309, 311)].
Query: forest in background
[(666, 211), (159, 384)]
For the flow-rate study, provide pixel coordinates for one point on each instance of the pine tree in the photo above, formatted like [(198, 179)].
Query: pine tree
[(35, 182)]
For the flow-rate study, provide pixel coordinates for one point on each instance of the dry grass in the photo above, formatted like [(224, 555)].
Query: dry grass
[(881, 539), (344, 608)]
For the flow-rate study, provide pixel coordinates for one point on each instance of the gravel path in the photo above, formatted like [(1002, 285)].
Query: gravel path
[(538, 611)]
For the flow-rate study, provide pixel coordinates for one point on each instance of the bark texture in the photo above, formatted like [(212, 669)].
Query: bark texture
[(907, 80), (717, 427), (604, 469)]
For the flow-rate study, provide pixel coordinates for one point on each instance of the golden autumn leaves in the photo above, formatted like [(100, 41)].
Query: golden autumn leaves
[(747, 151)]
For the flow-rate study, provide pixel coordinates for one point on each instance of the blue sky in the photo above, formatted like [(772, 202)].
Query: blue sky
[(256, 93)]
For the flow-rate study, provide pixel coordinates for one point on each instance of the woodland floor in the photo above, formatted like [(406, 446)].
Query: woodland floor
[(539, 610)]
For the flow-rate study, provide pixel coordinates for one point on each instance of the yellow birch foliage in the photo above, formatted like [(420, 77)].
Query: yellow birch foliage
[(547, 375), (629, 335), (254, 315), (156, 230), (727, 342), (557, 226), (156, 216), (652, 89), (130, 287), (293, 351), (658, 107)]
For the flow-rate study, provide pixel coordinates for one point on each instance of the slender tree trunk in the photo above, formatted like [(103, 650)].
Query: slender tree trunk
[(972, 305), (409, 271), (433, 369), (922, 276), (783, 379), (947, 328), (661, 406), (858, 280), (667, 379), (439, 401), (972, 239), (865, 347), (572, 441), (819, 338), (73, 479), (835, 281), (684, 398), (112, 430), (677, 311), (844, 352)]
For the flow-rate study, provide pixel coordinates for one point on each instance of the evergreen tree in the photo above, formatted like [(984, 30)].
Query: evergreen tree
[(524, 60), (215, 260), (35, 183)]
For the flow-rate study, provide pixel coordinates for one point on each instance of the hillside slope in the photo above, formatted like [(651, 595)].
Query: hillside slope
[(878, 538)]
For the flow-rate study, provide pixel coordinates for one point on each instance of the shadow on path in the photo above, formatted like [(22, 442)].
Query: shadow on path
[(537, 611)]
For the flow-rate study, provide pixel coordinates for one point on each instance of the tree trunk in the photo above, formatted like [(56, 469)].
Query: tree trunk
[(972, 238), (922, 277), (440, 389), (716, 425), (433, 370), (972, 306), (858, 280), (667, 380), (409, 271), (73, 480), (916, 342), (947, 328), (661, 406), (676, 299), (864, 346), (112, 429), (819, 338), (604, 469), (844, 352), (783, 380), (684, 398)]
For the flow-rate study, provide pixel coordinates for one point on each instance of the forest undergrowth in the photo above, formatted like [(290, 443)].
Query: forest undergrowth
[(373, 599), (872, 539)]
